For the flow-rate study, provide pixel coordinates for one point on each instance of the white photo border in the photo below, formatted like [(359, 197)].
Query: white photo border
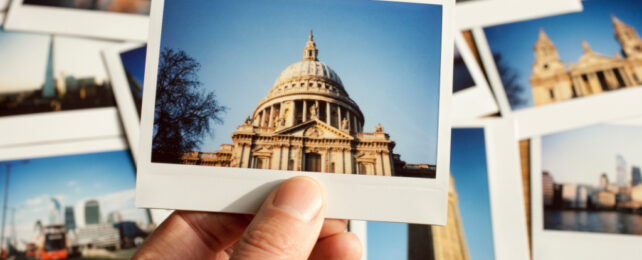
[(506, 11), (554, 244), (475, 101), (77, 22), (122, 94), (240, 190)]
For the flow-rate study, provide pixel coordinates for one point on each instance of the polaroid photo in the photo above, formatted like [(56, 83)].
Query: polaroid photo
[(472, 96), (485, 211), (126, 67), (567, 71), (587, 191), (53, 88), (469, 12), (243, 133), (72, 199), (107, 19)]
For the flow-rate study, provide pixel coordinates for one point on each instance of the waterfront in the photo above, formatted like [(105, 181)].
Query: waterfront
[(593, 221)]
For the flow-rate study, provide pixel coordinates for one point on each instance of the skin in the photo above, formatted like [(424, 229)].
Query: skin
[(289, 225)]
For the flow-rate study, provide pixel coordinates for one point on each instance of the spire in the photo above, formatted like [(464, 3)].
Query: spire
[(586, 47), (616, 22), (543, 37), (310, 51)]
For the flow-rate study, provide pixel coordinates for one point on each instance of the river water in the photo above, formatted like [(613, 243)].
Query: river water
[(593, 221)]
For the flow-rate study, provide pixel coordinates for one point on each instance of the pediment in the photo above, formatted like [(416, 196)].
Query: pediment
[(592, 59), (314, 129)]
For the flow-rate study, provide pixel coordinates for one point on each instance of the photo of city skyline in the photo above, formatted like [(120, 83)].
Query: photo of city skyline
[(591, 179), (470, 176), (54, 73), (119, 6), (86, 199), (562, 57), (332, 88)]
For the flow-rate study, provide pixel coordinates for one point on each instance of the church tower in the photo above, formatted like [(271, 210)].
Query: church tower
[(549, 80), (631, 46)]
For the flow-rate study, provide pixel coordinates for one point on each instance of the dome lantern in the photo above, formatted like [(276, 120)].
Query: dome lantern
[(310, 51)]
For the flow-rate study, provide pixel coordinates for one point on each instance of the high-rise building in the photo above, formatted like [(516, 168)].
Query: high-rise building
[(55, 212), (620, 169), (548, 190), (604, 181), (92, 212), (70, 220), (49, 87), (636, 178)]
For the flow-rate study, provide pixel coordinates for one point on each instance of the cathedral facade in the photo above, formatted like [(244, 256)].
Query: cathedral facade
[(551, 80), (308, 122)]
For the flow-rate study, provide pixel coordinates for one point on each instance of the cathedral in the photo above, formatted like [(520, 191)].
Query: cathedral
[(551, 81), (308, 122)]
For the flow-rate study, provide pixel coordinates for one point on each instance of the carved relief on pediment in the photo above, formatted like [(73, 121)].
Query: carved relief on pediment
[(313, 132)]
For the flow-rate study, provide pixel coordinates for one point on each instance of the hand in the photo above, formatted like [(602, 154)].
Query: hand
[(289, 225)]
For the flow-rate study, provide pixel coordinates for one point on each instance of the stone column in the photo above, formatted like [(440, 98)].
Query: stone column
[(261, 118), (305, 110), (292, 112), (349, 121), (354, 123), (271, 118), (611, 80), (379, 165), (339, 116), (281, 105), (625, 77), (327, 113)]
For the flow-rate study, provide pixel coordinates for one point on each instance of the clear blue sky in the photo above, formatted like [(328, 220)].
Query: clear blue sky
[(514, 42), (134, 62), (107, 176), (387, 55), (582, 155), (468, 167)]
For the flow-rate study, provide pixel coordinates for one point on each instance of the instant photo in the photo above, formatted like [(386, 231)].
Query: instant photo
[(78, 205), (321, 101)]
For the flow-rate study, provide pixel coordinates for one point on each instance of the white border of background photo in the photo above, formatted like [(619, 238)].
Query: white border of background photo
[(564, 115), (475, 101), (240, 190), (557, 244), (510, 239), (71, 148), (59, 126), (77, 22), (122, 93)]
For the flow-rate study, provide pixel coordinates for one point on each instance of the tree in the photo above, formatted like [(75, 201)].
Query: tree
[(514, 91), (183, 112)]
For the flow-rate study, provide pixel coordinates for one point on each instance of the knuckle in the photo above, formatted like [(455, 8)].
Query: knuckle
[(268, 241)]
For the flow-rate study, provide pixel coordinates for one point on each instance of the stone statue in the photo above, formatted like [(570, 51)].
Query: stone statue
[(344, 124), (248, 121), (379, 128), (314, 111), (279, 121)]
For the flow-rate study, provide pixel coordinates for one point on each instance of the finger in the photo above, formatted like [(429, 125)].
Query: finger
[(288, 223), (344, 245), (193, 235), (333, 226)]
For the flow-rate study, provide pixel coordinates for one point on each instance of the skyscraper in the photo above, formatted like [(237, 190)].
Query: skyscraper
[(636, 178), (49, 88), (620, 169)]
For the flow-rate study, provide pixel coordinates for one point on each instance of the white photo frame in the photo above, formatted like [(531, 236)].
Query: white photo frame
[(510, 239), (77, 22), (474, 101), (505, 11), (122, 94), (3, 6), (360, 229), (555, 117), (240, 190), (59, 126), (567, 244)]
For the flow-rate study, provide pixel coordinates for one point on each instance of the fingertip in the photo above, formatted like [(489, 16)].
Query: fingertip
[(344, 245)]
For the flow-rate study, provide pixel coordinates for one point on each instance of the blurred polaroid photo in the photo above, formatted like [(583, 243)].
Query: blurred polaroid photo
[(53, 88), (587, 188), (506, 11), (126, 67), (567, 71), (107, 19), (235, 108), (477, 205), (472, 96), (71, 200)]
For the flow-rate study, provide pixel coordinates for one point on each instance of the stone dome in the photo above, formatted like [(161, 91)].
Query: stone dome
[(306, 90)]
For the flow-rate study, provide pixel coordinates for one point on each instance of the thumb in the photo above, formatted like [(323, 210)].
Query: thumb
[(288, 223)]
